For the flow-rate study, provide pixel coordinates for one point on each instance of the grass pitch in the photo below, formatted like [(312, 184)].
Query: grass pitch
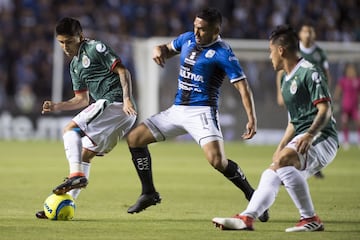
[(193, 193)]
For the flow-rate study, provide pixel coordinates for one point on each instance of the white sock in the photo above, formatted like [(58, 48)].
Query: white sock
[(73, 148), (298, 189), (264, 195), (86, 167)]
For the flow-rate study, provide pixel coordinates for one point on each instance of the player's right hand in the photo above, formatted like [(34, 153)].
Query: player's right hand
[(129, 107), (159, 56), (250, 131), (47, 107)]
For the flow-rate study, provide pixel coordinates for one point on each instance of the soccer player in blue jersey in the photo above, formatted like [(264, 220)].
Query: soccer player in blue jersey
[(95, 70), (310, 141), (205, 60)]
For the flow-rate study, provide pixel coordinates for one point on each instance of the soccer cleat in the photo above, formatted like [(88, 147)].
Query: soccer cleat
[(71, 183), (238, 222), (307, 225), (265, 216), (145, 201), (41, 215)]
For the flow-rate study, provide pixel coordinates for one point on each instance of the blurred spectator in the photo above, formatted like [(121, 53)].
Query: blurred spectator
[(25, 78), (347, 92), (27, 26)]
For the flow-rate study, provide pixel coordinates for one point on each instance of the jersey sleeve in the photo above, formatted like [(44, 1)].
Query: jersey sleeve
[(78, 84), (231, 65), (104, 54), (317, 87), (180, 40)]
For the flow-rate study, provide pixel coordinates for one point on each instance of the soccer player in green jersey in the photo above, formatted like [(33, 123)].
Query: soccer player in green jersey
[(96, 71), (311, 52), (309, 143)]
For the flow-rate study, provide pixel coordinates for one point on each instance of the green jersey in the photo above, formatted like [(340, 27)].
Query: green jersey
[(315, 55), (91, 70), (302, 89)]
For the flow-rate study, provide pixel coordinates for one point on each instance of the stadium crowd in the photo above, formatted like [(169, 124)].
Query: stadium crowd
[(27, 38)]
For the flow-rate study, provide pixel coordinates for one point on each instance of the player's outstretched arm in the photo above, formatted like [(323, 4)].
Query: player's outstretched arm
[(249, 105), (163, 52), (80, 100), (126, 84)]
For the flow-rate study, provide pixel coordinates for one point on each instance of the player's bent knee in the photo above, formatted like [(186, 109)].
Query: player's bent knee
[(132, 139), (139, 137), (285, 160)]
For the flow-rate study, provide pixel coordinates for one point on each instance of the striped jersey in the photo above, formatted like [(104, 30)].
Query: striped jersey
[(203, 69)]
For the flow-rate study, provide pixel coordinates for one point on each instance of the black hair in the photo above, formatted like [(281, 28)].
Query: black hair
[(285, 36), (307, 23), (68, 26), (210, 15)]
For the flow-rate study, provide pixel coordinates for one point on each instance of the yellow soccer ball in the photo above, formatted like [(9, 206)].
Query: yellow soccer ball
[(59, 207)]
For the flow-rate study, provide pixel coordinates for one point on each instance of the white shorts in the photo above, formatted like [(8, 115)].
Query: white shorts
[(201, 122), (318, 156), (104, 124)]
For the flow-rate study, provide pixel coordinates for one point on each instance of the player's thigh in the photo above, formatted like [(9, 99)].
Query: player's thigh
[(167, 124), (89, 117), (319, 155), (102, 133), (202, 123)]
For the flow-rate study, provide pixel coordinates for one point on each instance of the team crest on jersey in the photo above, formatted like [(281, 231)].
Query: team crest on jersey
[(316, 77), (293, 87), (100, 47), (85, 61), (210, 53)]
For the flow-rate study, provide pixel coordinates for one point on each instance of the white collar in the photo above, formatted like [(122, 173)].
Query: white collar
[(289, 76), (305, 49)]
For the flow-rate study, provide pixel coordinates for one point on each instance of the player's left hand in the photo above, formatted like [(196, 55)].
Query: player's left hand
[(129, 108), (303, 144), (250, 131)]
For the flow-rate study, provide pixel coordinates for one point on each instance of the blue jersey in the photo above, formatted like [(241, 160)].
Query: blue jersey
[(203, 69)]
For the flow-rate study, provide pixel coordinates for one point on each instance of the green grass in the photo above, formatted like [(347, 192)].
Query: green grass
[(193, 193)]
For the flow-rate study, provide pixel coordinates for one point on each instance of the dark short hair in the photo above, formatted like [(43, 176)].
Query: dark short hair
[(284, 35), (68, 26), (307, 23), (210, 15)]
